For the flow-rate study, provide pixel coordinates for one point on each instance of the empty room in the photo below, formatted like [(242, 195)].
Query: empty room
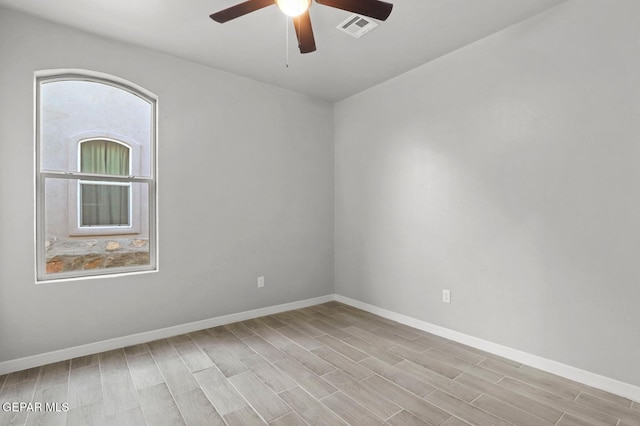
[(320, 212)]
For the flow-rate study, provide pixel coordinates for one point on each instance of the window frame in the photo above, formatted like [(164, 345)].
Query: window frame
[(48, 76), (104, 229), (76, 228)]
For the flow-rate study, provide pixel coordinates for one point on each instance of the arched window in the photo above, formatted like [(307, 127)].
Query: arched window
[(104, 204), (95, 176)]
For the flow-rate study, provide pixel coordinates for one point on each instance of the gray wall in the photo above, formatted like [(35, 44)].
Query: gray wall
[(246, 189), (509, 173)]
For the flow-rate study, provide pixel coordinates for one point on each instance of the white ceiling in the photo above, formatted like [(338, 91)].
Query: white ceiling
[(254, 45)]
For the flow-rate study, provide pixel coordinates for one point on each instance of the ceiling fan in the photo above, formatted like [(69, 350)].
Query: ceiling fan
[(299, 11)]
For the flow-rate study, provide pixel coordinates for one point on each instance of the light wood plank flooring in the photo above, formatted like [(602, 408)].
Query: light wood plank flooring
[(329, 364)]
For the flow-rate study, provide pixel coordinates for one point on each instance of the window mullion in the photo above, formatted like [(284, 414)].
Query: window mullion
[(94, 177)]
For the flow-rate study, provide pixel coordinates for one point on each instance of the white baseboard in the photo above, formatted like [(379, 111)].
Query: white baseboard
[(591, 379), (148, 336)]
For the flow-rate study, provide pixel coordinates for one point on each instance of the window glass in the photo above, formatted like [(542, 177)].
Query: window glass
[(82, 109), (95, 182), (104, 204), (104, 157)]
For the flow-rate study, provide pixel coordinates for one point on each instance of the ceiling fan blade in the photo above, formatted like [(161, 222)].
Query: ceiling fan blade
[(306, 41), (372, 8), (240, 9)]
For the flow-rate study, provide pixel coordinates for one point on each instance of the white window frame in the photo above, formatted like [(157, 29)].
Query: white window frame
[(112, 229), (76, 229), (42, 77)]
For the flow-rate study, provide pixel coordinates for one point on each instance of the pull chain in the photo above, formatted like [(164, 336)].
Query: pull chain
[(286, 44)]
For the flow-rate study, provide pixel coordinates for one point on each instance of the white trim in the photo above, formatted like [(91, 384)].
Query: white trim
[(590, 379), (75, 226), (90, 75), (148, 336), (585, 377), (40, 176), (122, 272)]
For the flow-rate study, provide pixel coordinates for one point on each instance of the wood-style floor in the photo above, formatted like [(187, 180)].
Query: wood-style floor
[(329, 364)]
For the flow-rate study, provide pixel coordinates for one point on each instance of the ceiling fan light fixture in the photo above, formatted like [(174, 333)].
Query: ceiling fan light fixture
[(299, 10), (293, 8)]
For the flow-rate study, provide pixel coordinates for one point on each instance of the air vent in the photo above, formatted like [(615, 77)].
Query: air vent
[(357, 26)]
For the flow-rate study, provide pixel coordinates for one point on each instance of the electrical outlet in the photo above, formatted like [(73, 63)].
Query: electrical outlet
[(260, 282), (446, 296)]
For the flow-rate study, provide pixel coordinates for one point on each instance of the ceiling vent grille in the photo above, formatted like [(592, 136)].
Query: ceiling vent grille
[(357, 26)]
